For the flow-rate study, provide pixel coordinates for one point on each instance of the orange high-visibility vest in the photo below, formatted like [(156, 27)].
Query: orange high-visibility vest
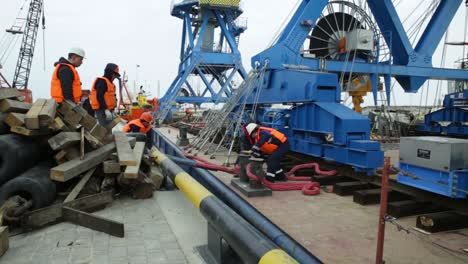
[(56, 85), (269, 148), (109, 96), (139, 124)]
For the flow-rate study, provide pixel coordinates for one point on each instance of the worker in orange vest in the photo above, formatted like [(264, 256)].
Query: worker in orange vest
[(103, 98), (140, 125), (66, 83), (271, 142)]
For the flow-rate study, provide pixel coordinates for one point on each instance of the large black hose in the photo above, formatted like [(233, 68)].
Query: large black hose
[(33, 184), (238, 204), (17, 154)]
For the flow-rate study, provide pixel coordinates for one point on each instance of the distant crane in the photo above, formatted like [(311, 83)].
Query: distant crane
[(26, 53)]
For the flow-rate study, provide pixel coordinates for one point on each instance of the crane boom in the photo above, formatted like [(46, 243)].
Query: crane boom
[(23, 66)]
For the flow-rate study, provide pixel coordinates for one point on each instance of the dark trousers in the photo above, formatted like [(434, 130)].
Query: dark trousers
[(273, 161), (101, 117)]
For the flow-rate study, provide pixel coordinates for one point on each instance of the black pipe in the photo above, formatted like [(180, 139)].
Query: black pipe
[(242, 207)]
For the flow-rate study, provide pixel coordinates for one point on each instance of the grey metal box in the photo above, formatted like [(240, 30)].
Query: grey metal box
[(439, 153)]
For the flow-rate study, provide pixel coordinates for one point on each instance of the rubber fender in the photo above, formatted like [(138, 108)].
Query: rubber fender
[(17, 155), (4, 128), (33, 184)]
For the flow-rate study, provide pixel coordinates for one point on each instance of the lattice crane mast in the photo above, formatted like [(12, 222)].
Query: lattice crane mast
[(26, 53)]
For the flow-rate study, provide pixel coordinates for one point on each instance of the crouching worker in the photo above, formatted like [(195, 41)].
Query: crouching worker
[(141, 125), (271, 142)]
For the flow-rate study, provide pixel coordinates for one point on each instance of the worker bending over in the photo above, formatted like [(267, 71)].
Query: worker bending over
[(268, 141), (103, 98), (140, 125), (66, 83)]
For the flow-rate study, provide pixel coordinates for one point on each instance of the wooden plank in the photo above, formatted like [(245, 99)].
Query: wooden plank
[(410, 207), (75, 167), (111, 166), (59, 125), (131, 172), (64, 140), (60, 157), (126, 156), (28, 132), (88, 122), (94, 142), (82, 141), (78, 187), (65, 107), (14, 119), (73, 118), (32, 116), (7, 106), (4, 242), (7, 93), (98, 131), (53, 214), (47, 113), (93, 222)]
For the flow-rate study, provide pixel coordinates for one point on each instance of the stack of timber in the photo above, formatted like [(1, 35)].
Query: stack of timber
[(92, 164)]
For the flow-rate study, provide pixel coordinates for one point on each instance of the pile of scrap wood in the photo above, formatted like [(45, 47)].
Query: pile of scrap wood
[(90, 159)]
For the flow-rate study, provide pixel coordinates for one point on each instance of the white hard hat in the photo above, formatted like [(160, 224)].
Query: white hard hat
[(77, 51), (251, 128)]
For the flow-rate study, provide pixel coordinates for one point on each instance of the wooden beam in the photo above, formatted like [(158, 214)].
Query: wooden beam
[(131, 172), (82, 141), (98, 131), (60, 157), (75, 167), (77, 189), (32, 116), (64, 140), (126, 156), (73, 118), (14, 119), (88, 122), (65, 107), (4, 242), (53, 214), (95, 143), (7, 106), (7, 93), (47, 113), (28, 132), (93, 222), (111, 166)]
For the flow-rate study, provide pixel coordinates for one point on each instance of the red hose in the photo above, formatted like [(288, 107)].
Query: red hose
[(309, 188), (310, 166)]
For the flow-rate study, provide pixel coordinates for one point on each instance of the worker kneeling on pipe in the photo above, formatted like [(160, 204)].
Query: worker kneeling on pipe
[(271, 142)]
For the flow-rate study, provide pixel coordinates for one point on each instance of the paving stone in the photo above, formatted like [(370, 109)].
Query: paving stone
[(117, 252), (137, 250)]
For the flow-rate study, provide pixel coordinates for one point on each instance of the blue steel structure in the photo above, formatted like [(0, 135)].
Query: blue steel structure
[(454, 112), (201, 57), (318, 124)]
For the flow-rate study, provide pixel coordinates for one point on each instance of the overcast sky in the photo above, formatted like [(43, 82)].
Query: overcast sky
[(143, 32)]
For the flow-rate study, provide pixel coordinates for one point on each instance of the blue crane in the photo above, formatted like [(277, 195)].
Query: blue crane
[(317, 124), (216, 62)]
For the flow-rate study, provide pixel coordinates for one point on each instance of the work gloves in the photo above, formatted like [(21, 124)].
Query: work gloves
[(109, 115)]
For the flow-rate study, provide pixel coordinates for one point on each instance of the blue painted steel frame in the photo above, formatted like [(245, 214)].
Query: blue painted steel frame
[(195, 61), (453, 184), (315, 92), (454, 113)]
